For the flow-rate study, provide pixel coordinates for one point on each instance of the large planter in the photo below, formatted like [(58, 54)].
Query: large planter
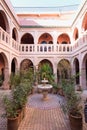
[(20, 116), (60, 91), (23, 112), (12, 123), (75, 122)]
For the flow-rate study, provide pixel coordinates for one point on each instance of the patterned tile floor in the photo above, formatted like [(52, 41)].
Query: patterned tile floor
[(45, 115), (40, 115), (3, 120), (53, 101)]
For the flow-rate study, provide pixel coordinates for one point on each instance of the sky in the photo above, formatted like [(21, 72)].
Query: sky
[(43, 3)]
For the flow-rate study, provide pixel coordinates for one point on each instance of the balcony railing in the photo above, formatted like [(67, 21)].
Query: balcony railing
[(4, 36), (81, 42), (46, 48), (9, 42)]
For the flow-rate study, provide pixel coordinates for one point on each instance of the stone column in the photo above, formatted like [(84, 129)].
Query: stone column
[(55, 71), (83, 78), (6, 79), (55, 40)]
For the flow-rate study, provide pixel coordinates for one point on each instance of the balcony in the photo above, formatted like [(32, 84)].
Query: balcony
[(80, 43), (45, 48), (8, 42)]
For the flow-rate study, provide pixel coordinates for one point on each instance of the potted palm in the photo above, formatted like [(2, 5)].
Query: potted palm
[(72, 105)]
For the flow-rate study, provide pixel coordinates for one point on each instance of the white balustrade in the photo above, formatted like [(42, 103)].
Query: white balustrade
[(5, 39), (81, 42), (4, 36)]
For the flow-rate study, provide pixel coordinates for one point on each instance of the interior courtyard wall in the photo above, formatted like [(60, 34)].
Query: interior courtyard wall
[(36, 34)]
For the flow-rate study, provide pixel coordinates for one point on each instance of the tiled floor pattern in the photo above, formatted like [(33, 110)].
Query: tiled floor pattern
[(40, 115), (3, 120), (48, 119), (53, 101), (45, 115)]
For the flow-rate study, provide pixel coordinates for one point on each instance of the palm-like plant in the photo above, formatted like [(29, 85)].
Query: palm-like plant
[(46, 72)]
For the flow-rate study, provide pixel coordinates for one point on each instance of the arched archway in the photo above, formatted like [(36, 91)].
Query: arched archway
[(76, 67), (14, 65), (75, 34), (4, 72), (45, 38), (2, 67), (84, 22), (27, 39), (84, 72), (15, 34), (63, 70), (4, 21), (63, 39), (26, 64), (45, 68)]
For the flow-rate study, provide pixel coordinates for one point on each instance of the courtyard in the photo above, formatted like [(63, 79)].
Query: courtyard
[(41, 115), (42, 47)]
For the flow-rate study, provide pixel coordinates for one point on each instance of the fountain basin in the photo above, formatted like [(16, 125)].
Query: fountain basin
[(45, 88)]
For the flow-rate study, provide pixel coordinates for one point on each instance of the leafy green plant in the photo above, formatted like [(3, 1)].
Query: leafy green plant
[(72, 104), (46, 72), (14, 80), (20, 96), (11, 109)]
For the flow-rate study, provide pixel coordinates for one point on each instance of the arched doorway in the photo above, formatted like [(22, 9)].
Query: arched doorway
[(63, 39), (26, 64), (13, 65), (4, 72), (45, 69), (15, 34), (4, 21), (84, 22), (2, 68), (27, 39), (75, 35), (84, 72), (76, 67), (63, 70), (45, 38)]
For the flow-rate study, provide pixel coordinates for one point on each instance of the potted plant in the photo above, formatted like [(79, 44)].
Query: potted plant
[(11, 114), (72, 105), (55, 87), (15, 80)]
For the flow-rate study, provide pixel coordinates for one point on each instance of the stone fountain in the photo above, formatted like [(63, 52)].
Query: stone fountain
[(45, 87)]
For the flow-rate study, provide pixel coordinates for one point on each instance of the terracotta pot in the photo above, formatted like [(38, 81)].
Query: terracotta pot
[(23, 112), (60, 91), (20, 116), (75, 122), (12, 123)]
